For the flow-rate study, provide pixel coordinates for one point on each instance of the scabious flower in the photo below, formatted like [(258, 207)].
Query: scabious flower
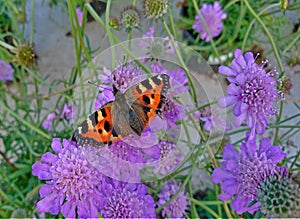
[(25, 55), (169, 158), (155, 8), (123, 77), (125, 200), (252, 91), (178, 82), (212, 119), (68, 112), (279, 196), (213, 16), (173, 112), (242, 174), (130, 17), (47, 124), (72, 183), (158, 48), (6, 71), (178, 206)]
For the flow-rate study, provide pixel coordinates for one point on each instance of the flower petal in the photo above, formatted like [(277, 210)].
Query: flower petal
[(226, 101), (68, 209), (45, 190), (56, 145), (224, 70), (219, 175)]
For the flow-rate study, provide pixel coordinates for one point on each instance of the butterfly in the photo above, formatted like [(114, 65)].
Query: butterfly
[(129, 113)]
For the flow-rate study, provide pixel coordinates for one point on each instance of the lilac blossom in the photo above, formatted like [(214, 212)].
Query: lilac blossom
[(242, 173), (125, 200), (72, 183), (6, 71), (213, 16), (178, 206), (252, 91)]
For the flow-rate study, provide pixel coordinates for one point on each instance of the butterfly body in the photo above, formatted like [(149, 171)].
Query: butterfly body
[(129, 113)]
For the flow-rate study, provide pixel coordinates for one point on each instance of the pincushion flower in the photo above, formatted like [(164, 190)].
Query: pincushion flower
[(242, 174), (158, 48), (252, 91), (178, 206), (213, 16), (123, 77), (279, 196), (71, 182), (169, 158), (125, 200), (6, 71)]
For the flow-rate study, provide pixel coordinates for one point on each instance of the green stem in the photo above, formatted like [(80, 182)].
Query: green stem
[(32, 23), (12, 113), (295, 40), (253, 21), (191, 81), (202, 205), (102, 24), (109, 34), (182, 185), (193, 210), (268, 34), (295, 160)]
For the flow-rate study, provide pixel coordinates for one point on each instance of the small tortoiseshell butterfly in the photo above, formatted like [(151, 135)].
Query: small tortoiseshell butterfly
[(129, 113)]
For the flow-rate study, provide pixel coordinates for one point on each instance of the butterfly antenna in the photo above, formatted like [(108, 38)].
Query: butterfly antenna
[(93, 83)]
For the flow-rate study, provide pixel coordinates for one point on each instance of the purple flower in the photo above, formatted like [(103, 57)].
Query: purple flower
[(213, 16), (169, 157), (158, 48), (72, 183), (279, 196), (178, 206), (79, 14), (173, 112), (157, 67), (6, 71), (178, 82), (212, 119), (242, 174), (68, 112), (123, 77), (47, 124), (252, 91), (125, 200)]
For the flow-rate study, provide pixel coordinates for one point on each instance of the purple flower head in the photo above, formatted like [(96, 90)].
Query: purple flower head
[(79, 14), (157, 48), (6, 71), (173, 112), (123, 77), (47, 124), (68, 112), (212, 119), (71, 182), (125, 200), (279, 196), (178, 82), (242, 174), (157, 67), (213, 16), (169, 159), (178, 206), (252, 91)]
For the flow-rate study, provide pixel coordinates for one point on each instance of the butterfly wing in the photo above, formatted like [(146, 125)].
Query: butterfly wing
[(150, 95), (96, 129)]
